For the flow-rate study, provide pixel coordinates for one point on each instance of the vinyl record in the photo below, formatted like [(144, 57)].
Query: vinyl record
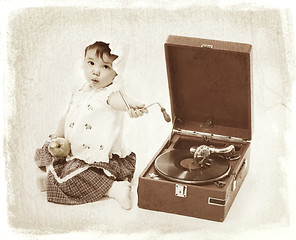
[(178, 165)]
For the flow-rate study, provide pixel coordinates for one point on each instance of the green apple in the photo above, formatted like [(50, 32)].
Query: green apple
[(59, 147)]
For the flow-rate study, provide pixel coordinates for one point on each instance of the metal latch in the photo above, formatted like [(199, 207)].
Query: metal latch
[(181, 190), (207, 46)]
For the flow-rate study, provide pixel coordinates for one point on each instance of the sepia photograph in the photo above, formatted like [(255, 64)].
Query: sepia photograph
[(148, 119)]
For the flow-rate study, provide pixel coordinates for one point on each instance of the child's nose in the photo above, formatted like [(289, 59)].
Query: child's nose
[(96, 71)]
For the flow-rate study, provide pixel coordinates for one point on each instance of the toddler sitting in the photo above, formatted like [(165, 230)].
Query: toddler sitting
[(98, 165)]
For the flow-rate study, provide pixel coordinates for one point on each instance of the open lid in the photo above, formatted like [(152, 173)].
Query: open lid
[(210, 86)]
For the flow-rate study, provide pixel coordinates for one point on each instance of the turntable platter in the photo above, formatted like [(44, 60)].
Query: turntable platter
[(178, 165)]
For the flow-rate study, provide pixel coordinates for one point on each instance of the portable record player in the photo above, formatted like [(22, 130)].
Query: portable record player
[(200, 168)]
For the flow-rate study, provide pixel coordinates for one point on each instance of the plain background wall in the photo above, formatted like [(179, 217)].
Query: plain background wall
[(45, 51)]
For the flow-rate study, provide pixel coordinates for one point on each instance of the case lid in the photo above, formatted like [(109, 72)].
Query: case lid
[(210, 86)]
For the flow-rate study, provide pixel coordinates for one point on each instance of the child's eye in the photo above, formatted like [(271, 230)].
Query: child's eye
[(106, 67), (91, 63)]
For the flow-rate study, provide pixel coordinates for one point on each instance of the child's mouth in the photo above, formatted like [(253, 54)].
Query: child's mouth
[(95, 81)]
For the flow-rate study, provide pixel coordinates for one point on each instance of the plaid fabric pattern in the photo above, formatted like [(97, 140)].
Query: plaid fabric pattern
[(87, 186)]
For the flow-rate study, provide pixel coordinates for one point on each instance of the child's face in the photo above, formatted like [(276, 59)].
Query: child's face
[(98, 72)]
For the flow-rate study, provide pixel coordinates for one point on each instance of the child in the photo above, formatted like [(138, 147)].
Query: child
[(98, 165)]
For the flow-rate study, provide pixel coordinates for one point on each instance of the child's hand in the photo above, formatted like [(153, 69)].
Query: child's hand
[(137, 110)]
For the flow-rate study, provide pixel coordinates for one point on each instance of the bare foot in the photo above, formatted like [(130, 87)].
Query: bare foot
[(120, 191), (41, 182)]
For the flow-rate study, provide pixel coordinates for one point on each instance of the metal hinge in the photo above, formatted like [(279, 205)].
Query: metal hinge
[(234, 183), (208, 136)]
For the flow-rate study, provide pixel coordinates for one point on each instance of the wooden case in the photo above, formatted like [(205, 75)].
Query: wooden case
[(210, 86)]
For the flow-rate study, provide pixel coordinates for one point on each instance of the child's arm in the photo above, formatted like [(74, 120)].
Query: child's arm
[(117, 102), (59, 132)]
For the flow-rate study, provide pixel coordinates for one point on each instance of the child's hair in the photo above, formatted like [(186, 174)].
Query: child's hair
[(101, 48)]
